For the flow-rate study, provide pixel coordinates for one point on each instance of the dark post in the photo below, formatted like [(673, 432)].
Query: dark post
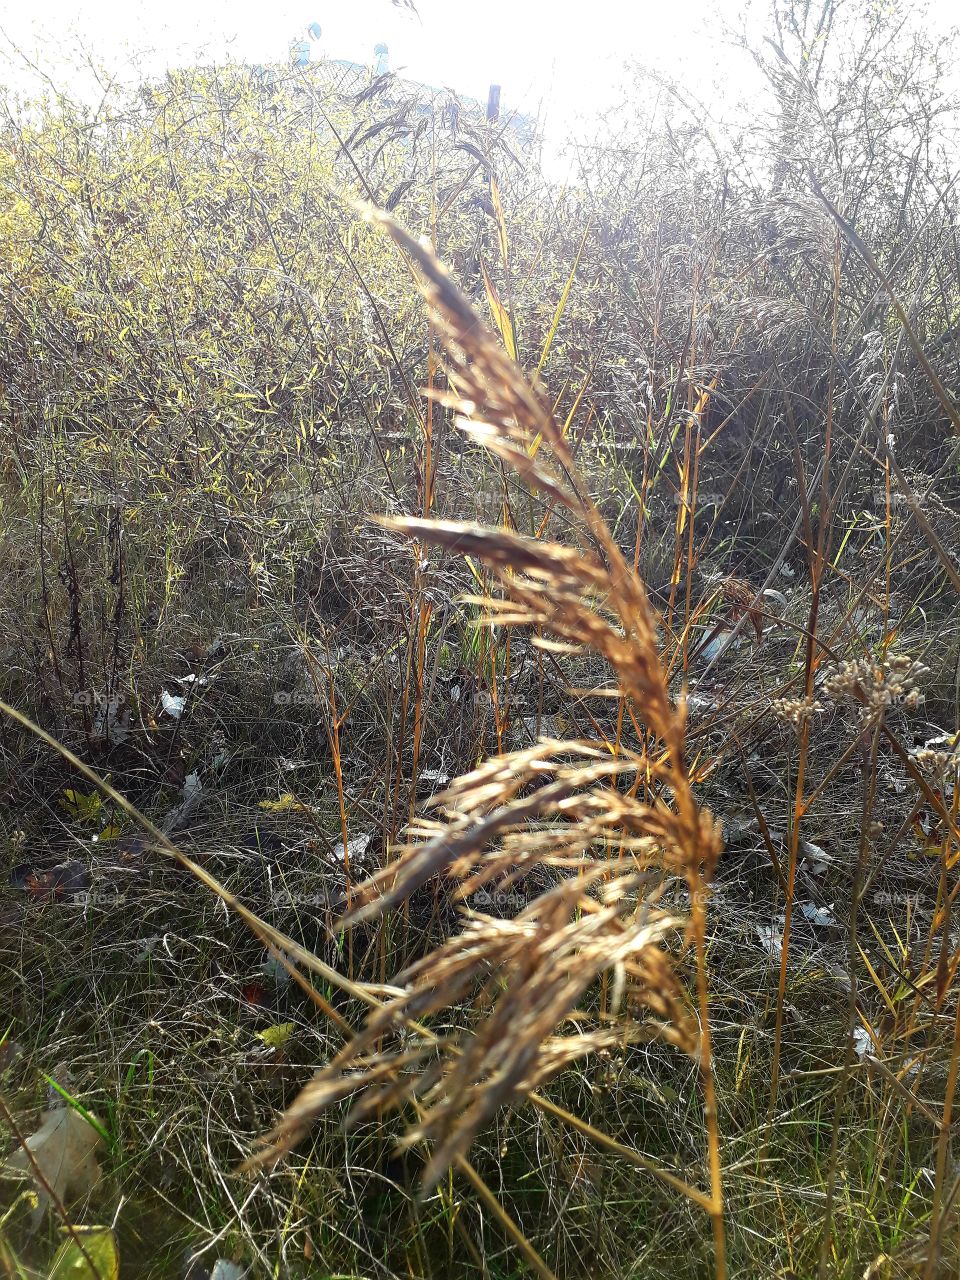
[(486, 213)]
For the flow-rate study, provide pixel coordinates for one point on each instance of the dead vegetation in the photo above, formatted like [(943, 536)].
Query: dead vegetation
[(505, 818)]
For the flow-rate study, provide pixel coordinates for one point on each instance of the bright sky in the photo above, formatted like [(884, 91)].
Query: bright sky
[(555, 57), (546, 53)]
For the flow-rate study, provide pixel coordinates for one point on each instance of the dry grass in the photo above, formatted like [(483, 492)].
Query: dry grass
[(447, 950), (555, 805)]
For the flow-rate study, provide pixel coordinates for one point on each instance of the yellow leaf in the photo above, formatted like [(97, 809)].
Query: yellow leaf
[(500, 221), (500, 314), (276, 1037), (98, 1260), (561, 306), (85, 808), (286, 804)]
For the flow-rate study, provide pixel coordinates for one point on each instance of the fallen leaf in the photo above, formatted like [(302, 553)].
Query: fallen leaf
[(254, 993), (276, 1037), (99, 1249), (286, 803), (84, 808), (63, 1149)]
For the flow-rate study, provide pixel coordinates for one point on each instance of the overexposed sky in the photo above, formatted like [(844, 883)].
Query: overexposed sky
[(553, 57), (547, 54)]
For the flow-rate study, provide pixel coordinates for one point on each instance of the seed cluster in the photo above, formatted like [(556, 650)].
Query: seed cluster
[(795, 711), (878, 687)]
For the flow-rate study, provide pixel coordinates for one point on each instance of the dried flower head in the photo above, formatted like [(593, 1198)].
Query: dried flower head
[(877, 687), (796, 711), (600, 825)]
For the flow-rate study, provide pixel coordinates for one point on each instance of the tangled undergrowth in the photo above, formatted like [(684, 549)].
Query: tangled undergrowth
[(481, 797)]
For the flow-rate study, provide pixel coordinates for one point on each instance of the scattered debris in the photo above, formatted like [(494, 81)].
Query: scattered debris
[(719, 639), (862, 1042), (219, 756), (224, 1270), (818, 915), (111, 721), (431, 781), (947, 744), (701, 703), (173, 704), (52, 884), (526, 730), (358, 851), (816, 860), (895, 782), (179, 817), (274, 971), (771, 939)]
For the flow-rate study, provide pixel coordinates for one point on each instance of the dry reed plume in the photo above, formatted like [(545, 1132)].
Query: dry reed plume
[(604, 823)]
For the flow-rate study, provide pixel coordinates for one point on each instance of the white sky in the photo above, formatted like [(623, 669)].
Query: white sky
[(556, 57), (546, 53)]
